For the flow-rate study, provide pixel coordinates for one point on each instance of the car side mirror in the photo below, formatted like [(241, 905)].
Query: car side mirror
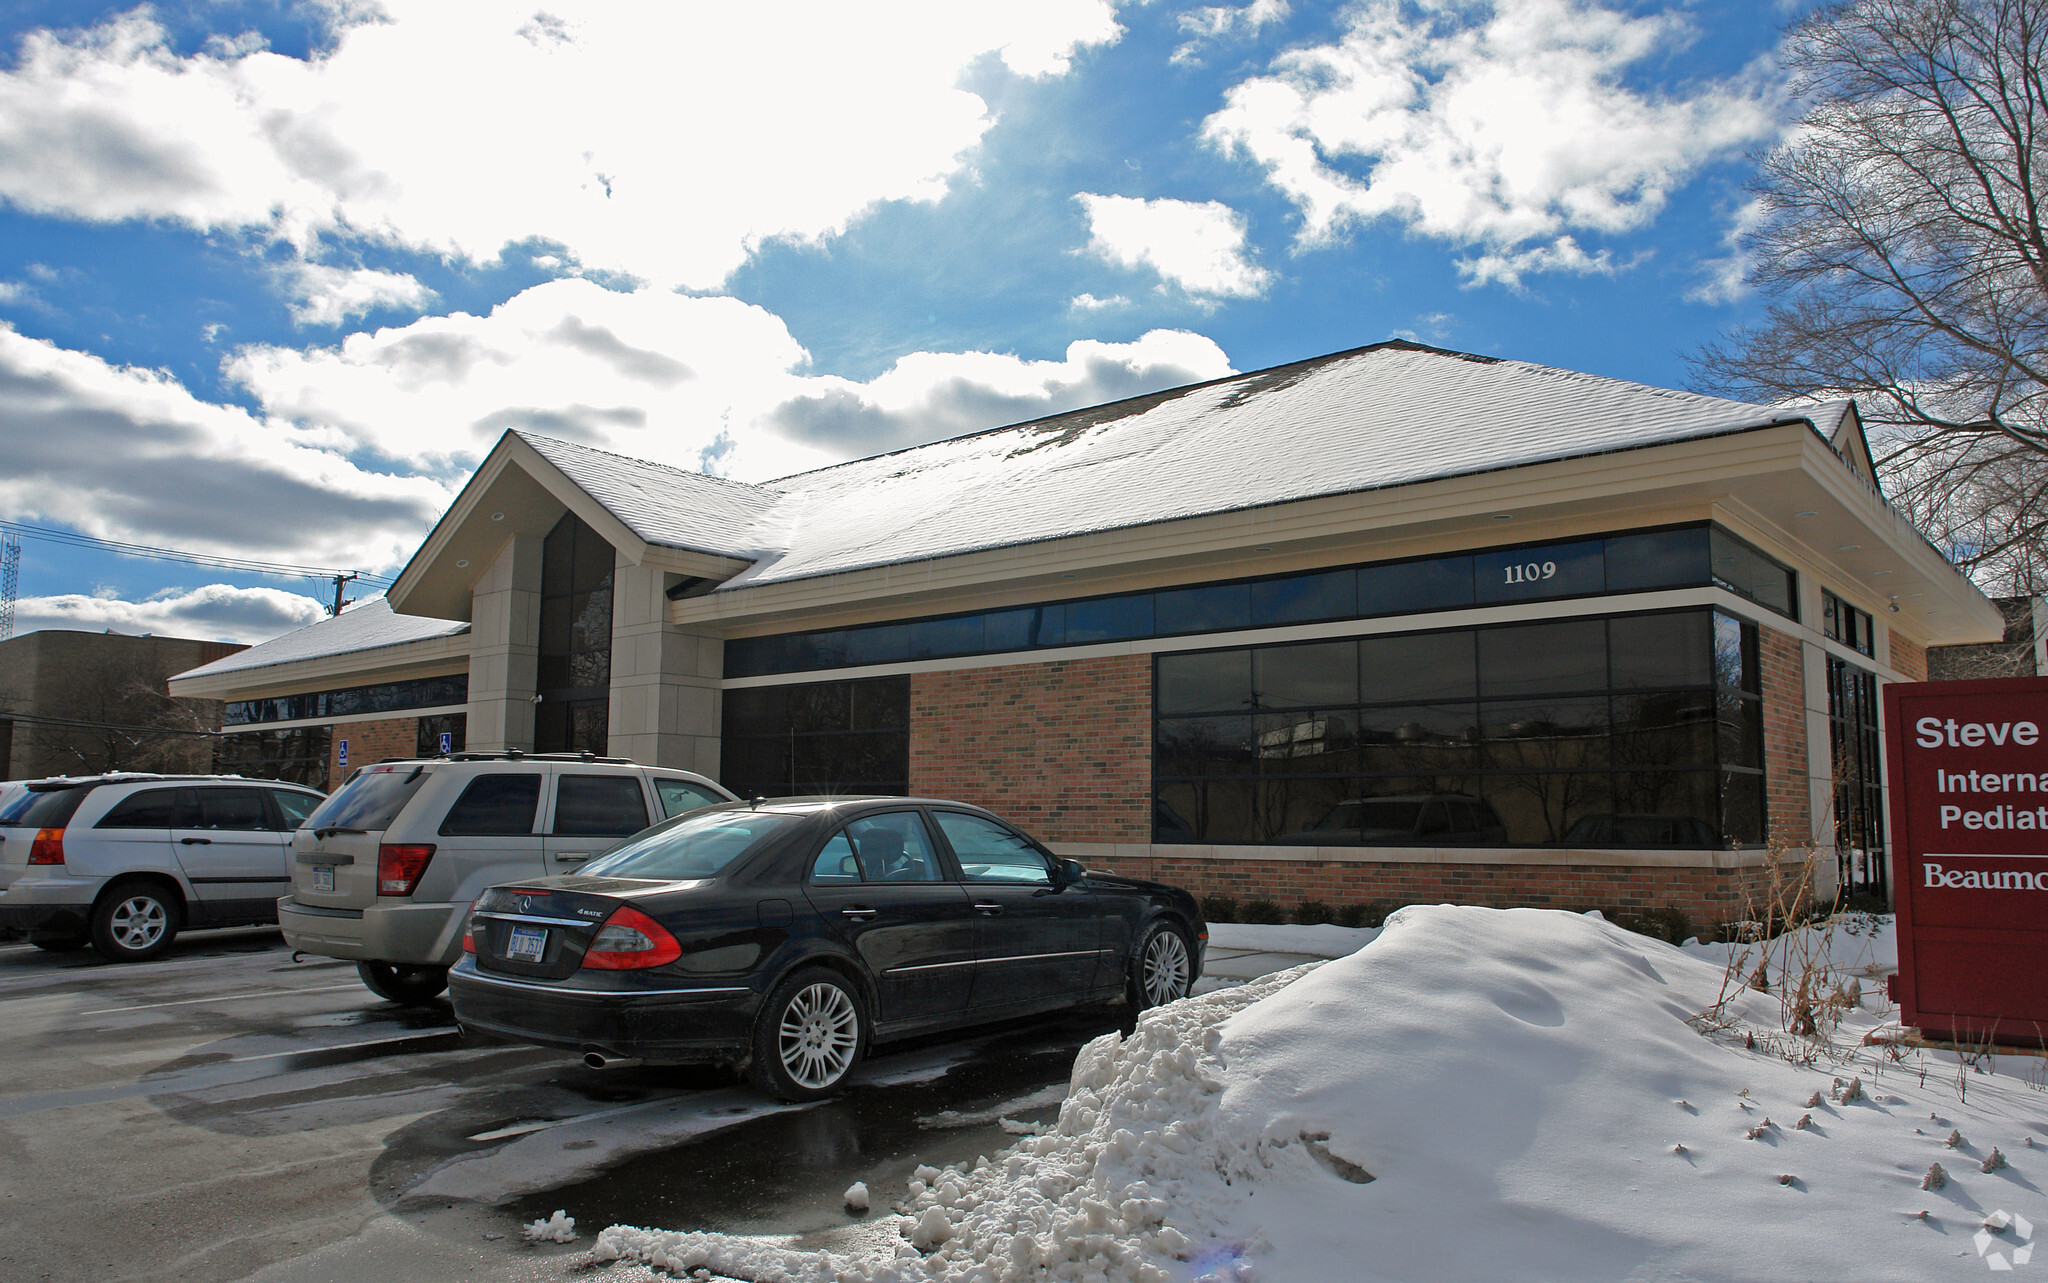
[(1068, 872)]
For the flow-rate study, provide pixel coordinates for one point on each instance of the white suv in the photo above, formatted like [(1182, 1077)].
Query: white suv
[(125, 861), (385, 871)]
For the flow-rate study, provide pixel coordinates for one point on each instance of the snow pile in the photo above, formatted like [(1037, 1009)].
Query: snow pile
[(559, 1228), (1477, 1093)]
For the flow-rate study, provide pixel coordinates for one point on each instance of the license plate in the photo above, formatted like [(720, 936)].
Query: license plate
[(527, 943), (323, 877)]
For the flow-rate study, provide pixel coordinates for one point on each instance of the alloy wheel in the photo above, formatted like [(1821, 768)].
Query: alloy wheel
[(1166, 968), (139, 922), (819, 1036)]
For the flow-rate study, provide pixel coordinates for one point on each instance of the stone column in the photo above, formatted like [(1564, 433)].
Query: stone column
[(504, 648), (665, 705)]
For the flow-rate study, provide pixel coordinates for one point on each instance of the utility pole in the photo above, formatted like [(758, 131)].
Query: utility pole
[(10, 582), (339, 602)]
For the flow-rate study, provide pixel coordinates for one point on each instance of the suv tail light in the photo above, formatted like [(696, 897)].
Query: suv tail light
[(48, 848), (400, 867), (629, 940)]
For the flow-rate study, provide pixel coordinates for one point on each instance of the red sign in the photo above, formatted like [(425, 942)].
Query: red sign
[(1968, 768)]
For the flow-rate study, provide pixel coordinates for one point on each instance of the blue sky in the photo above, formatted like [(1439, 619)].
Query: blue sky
[(274, 276)]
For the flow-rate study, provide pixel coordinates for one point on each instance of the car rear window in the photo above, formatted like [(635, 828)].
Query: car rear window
[(44, 808), (370, 801), (678, 796), (149, 809), (696, 846)]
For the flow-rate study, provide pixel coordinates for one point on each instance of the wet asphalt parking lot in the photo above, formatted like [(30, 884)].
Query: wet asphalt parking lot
[(225, 1112)]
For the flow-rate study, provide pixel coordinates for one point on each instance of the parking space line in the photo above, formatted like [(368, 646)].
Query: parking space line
[(340, 1046), (226, 997)]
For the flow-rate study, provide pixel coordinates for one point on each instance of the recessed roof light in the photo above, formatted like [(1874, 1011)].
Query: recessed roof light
[(1070, 576), (1849, 547), (461, 565), (1875, 573), (497, 516), (1503, 516), (1937, 612), (1262, 548), (1806, 514)]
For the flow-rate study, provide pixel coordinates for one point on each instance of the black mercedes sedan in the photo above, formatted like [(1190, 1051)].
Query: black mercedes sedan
[(788, 936)]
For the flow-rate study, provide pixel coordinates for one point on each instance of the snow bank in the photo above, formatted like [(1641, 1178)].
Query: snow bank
[(1477, 1093)]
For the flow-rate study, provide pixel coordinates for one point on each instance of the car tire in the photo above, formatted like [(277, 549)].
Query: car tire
[(134, 922), (1162, 968), (407, 986), (811, 1034)]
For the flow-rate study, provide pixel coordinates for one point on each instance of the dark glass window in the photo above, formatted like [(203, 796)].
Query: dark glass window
[(388, 697), (495, 805), (241, 809), (370, 801), (1859, 777), (831, 738), (453, 725), (1684, 557), (1846, 624), (1746, 572), (294, 806), (1212, 609), (678, 796), (296, 756), (598, 806), (1640, 730), (575, 665)]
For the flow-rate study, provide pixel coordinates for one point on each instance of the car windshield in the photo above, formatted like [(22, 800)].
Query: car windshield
[(697, 846), (370, 801), (44, 808)]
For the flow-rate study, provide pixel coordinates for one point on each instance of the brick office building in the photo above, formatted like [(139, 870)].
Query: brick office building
[(1392, 624)]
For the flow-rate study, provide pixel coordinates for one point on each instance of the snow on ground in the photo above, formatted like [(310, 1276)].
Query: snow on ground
[(1478, 1093)]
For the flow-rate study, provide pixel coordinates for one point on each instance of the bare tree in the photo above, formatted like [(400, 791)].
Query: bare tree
[(1902, 255)]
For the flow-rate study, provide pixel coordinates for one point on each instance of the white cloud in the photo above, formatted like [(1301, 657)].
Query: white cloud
[(130, 454), (330, 295), (1726, 279), (1090, 303), (1499, 126), (1218, 22), (215, 612), (1197, 246), (1508, 267), (665, 142), (688, 380)]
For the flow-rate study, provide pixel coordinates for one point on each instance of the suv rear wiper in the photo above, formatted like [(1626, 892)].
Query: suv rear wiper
[(321, 835)]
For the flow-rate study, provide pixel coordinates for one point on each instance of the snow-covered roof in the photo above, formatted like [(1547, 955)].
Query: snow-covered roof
[(367, 625), (1387, 415)]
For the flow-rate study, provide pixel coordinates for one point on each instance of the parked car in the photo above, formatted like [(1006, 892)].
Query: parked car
[(787, 936), (125, 861), (1410, 819), (385, 871), (1640, 831)]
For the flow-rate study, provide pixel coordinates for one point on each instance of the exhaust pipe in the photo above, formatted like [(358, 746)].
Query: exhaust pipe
[(599, 1058)]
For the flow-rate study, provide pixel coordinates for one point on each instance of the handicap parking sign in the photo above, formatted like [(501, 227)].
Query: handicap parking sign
[(342, 755), (447, 741)]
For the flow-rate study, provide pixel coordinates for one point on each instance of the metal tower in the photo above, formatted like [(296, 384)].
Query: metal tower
[(10, 582)]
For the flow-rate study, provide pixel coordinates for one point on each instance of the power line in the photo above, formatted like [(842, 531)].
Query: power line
[(74, 539)]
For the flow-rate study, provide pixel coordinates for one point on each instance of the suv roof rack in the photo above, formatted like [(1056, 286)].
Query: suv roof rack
[(514, 755)]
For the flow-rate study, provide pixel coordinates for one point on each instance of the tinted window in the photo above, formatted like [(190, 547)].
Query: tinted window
[(678, 796), (599, 806), (893, 848), (50, 809), (1109, 618), (1211, 682), (887, 644), (932, 638), (1415, 585), (1203, 610), (1659, 559), (1417, 668), (1307, 676), (1661, 650), (233, 808), (492, 806), (1331, 595), (836, 863), (1530, 658), (370, 801), (696, 846), (1746, 572), (989, 852), (1558, 570), (1021, 629), (148, 809), (295, 806)]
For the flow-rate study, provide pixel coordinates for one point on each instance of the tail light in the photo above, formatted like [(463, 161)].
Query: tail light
[(629, 940), (48, 848), (400, 867), (468, 941)]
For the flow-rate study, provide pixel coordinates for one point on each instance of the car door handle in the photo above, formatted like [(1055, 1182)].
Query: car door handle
[(571, 857), (195, 841), (989, 910), (858, 911)]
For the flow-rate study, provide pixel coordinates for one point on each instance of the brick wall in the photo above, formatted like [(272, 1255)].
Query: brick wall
[(1909, 659), (1063, 748), (1787, 799), (1707, 897), (370, 742)]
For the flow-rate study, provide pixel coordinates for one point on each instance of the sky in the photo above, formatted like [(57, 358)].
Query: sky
[(274, 277)]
